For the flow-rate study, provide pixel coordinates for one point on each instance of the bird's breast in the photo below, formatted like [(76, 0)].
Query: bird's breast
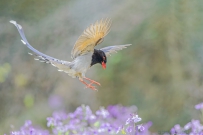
[(82, 63)]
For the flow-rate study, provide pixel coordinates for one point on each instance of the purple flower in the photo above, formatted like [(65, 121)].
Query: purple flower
[(28, 123), (51, 122), (129, 129), (120, 112), (58, 116), (199, 106), (140, 128), (29, 129), (133, 119), (119, 129), (187, 126), (136, 118), (102, 112), (15, 133)]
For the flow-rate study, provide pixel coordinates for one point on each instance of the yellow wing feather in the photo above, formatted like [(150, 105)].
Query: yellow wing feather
[(91, 37)]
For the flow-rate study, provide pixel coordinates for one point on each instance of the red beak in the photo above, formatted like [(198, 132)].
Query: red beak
[(103, 65)]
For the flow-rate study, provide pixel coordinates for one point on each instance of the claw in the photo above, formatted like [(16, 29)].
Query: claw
[(88, 85), (91, 87), (92, 81)]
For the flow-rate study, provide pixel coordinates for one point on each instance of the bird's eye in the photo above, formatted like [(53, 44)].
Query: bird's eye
[(104, 59)]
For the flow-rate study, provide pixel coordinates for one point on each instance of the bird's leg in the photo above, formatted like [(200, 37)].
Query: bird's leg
[(88, 85), (92, 81)]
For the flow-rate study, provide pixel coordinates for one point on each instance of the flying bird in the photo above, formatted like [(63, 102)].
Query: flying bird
[(83, 54)]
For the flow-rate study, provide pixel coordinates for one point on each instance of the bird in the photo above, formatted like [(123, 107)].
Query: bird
[(84, 55)]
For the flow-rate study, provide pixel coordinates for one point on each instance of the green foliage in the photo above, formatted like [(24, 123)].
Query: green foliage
[(4, 70), (29, 101)]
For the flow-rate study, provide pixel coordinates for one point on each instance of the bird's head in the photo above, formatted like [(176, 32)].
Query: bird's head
[(99, 57)]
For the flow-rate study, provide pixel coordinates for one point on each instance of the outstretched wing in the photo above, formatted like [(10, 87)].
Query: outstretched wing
[(40, 56), (91, 37), (113, 49)]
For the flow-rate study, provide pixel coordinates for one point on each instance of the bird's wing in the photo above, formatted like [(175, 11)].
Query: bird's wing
[(113, 49), (40, 56), (91, 37)]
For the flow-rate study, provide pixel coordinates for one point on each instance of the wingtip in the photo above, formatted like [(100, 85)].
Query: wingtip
[(15, 23), (127, 45), (12, 21), (23, 42), (107, 19)]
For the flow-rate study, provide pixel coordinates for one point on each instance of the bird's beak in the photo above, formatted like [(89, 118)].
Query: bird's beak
[(103, 65)]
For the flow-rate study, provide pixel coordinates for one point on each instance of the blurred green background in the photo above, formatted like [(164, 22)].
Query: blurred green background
[(161, 73)]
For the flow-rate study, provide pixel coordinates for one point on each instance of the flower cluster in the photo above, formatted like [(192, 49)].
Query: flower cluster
[(29, 129), (105, 121), (113, 120), (194, 127)]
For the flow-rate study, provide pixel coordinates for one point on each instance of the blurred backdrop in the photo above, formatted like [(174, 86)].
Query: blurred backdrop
[(161, 73)]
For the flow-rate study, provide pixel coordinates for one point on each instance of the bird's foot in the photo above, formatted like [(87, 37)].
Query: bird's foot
[(90, 86), (92, 81)]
